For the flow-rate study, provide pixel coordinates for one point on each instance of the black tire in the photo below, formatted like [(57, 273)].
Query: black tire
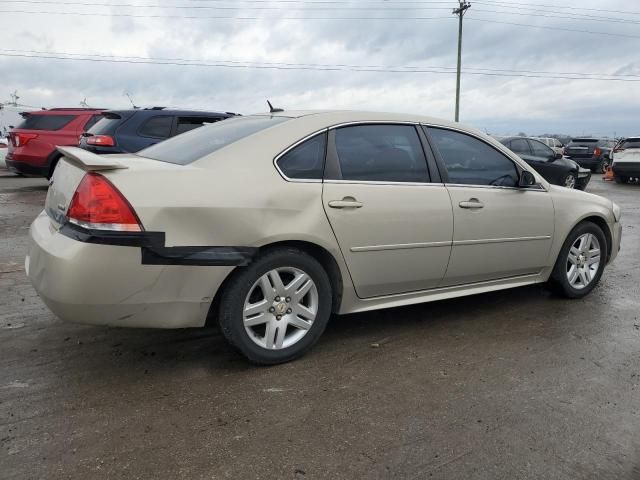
[(236, 291), (620, 179), (53, 165), (559, 281), (606, 162)]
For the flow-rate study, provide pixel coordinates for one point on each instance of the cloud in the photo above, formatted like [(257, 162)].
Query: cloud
[(500, 104)]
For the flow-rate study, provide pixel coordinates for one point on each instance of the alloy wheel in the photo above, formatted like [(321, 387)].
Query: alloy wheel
[(280, 308), (583, 261), (570, 181)]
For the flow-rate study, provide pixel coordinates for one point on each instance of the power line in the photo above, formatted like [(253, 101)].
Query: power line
[(565, 16), (409, 68), (496, 2), (196, 63)]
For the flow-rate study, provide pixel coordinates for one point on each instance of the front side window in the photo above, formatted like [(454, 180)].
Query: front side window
[(470, 161), (541, 150), (157, 127), (383, 153), (306, 160), (520, 145)]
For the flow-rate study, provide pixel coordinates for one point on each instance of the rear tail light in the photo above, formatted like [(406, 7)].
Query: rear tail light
[(21, 139), (597, 151), (98, 204), (101, 140)]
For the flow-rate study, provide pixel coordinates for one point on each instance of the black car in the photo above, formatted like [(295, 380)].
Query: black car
[(129, 131), (592, 153), (551, 165)]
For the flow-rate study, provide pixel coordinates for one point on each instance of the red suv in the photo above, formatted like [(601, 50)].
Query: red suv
[(32, 144)]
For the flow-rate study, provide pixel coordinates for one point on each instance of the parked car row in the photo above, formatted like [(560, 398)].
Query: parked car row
[(32, 144)]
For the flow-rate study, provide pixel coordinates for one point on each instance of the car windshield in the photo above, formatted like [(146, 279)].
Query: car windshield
[(195, 144), (631, 143)]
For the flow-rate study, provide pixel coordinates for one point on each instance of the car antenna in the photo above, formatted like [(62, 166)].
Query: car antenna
[(272, 109)]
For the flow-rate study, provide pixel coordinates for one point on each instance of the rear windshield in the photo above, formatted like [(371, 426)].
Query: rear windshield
[(195, 144), (106, 125), (45, 122), (631, 143)]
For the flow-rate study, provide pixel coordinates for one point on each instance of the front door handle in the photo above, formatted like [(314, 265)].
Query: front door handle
[(346, 202), (472, 203)]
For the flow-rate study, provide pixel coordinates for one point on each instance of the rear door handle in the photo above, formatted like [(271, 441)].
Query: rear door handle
[(472, 203), (346, 202)]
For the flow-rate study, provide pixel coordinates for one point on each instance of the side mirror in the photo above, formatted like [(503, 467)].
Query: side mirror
[(558, 156), (526, 179)]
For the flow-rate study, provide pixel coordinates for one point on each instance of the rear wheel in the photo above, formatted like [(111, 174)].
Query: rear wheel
[(52, 166), (275, 309), (581, 261), (621, 179)]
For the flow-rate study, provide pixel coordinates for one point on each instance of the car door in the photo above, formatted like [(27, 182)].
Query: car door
[(390, 213), (500, 230)]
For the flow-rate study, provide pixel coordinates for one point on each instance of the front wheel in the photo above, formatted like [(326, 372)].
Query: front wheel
[(570, 180), (581, 261), (275, 309)]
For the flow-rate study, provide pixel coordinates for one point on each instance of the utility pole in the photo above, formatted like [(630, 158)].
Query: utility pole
[(460, 11)]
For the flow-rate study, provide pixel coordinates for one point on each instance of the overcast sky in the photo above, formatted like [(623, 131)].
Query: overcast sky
[(409, 35)]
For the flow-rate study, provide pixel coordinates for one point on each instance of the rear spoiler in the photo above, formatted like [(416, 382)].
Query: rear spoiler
[(89, 161)]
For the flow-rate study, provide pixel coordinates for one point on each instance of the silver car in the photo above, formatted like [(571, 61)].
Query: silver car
[(268, 224)]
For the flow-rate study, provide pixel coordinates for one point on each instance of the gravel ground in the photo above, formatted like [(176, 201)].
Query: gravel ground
[(510, 385)]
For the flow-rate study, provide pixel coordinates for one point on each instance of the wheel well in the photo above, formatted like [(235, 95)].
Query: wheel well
[(605, 229), (323, 256), (52, 162)]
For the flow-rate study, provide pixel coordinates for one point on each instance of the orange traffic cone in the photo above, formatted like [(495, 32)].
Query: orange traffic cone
[(608, 174)]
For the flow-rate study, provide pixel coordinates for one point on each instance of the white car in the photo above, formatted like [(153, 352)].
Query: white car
[(626, 160), (269, 223), (4, 145), (553, 143)]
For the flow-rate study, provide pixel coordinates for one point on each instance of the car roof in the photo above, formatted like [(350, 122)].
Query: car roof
[(169, 111), (58, 111)]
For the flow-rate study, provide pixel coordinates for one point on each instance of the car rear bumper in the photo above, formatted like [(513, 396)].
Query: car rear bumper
[(590, 162), (626, 170), (100, 284), (25, 168)]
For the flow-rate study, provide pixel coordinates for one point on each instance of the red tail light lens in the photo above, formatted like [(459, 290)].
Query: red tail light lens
[(21, 139), (98, 204), (597, 151), (101, 140)]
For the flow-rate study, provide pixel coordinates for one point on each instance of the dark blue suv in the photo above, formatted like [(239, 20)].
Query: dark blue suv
[(129, 131)]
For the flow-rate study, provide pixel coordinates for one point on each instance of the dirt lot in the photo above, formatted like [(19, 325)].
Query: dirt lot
[(516, 384)]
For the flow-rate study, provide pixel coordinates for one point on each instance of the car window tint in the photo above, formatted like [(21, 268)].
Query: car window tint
[(386, 153), (305, 161), (540, 150), (520, 145), (630, 143), (158, 127), (193, 145), (470, 161), (189, 123), (92, 121), (45, 122)]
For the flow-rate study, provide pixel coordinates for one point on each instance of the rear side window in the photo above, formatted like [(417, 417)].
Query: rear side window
[(384, 153), (306, 160), (46, 122), (200, 142), (189, 123), (470, 161), (157, 127)]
